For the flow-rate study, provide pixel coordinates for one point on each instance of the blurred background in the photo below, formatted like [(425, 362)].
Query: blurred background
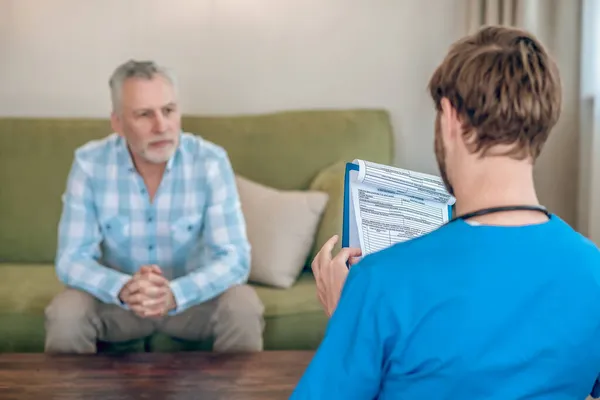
[(255, 56)]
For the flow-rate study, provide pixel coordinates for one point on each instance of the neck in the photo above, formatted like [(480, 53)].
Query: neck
[(148, 170), (497, 182), (152, 171)]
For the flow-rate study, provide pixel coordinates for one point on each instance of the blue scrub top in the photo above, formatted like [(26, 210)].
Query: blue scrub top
[(466, 312)]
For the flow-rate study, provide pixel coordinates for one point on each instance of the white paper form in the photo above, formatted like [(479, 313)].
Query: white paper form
[(392, 205)]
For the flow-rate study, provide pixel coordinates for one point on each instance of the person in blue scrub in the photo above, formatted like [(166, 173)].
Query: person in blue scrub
[(502, 302)]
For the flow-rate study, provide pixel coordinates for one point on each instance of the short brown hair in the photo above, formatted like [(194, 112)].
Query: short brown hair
[(504, 87)]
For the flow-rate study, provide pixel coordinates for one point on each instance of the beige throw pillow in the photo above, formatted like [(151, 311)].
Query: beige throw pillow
[(281, 227)]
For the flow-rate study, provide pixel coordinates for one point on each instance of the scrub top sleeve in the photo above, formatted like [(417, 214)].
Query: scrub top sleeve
[(350, 361)]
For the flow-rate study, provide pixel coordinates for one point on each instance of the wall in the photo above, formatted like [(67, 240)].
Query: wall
[(234, 56), (240, 56)]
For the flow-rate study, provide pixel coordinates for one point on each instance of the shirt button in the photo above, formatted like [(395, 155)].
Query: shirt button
[(150, 247), (149, 219), (143, 191)]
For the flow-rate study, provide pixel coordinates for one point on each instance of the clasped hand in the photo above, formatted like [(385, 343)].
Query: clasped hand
[(148, 293)]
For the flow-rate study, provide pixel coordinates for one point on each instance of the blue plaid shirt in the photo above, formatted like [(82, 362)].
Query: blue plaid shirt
[(193, 230)]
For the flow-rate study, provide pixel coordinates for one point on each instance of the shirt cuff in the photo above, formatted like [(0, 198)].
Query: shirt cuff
[(178, 296), (118, 280)]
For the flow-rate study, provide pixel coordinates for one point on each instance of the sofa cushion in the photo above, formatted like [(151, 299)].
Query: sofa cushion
[(281, 226), (294, 318)]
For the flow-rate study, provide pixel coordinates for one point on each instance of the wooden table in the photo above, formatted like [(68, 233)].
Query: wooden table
[(172, 376)]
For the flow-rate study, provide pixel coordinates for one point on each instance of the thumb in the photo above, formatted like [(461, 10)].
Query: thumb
[(329, 244), (150, 269), (144, 269)]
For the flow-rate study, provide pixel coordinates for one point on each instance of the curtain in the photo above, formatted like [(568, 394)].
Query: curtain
[(522, 13), (589, 166), (558, 25)]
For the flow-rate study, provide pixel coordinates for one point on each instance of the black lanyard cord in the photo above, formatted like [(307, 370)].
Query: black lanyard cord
[(491, 210)]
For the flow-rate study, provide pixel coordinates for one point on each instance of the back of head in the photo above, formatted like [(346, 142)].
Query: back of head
[(505, 89)]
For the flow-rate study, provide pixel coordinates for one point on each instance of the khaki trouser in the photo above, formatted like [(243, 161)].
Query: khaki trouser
[(75, 321)]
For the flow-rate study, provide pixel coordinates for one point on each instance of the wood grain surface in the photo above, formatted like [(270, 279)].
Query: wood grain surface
[(172, 376)]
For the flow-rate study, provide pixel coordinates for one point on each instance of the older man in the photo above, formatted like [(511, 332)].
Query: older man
[(152, 237)]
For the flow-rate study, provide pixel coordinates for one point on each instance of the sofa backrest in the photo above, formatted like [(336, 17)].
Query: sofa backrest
[(285, 150)]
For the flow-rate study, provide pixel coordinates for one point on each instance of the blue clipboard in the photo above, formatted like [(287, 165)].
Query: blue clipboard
[(346, 217)]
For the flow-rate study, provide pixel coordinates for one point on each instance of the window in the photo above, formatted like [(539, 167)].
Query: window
[(590, 48), (588, 222)]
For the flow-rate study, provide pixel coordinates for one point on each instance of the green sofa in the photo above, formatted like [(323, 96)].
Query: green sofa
[(286, 150)]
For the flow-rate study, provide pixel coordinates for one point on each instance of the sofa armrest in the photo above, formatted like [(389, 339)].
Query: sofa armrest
[(331, 181)]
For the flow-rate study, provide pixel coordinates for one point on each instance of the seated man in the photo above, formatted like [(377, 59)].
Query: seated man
[(498, 303), (152, 237)]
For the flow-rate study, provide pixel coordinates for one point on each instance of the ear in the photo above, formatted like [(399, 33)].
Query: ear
[(449, 120), (116, 124)]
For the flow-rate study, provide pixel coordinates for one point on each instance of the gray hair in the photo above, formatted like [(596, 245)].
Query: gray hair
[(135, 69)]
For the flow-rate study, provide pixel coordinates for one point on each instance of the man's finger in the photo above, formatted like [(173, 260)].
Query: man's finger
[(125, 296), (138, 310), (346, 253), (136, 299), (141, 285), (155, 307), (156, 280), (149, 269), (134, 287), (156, 302), (144, 269), (159, 312), (328, 246), (324, 255), (152, 291), (155, 269), (354, 260), (148, 287)]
